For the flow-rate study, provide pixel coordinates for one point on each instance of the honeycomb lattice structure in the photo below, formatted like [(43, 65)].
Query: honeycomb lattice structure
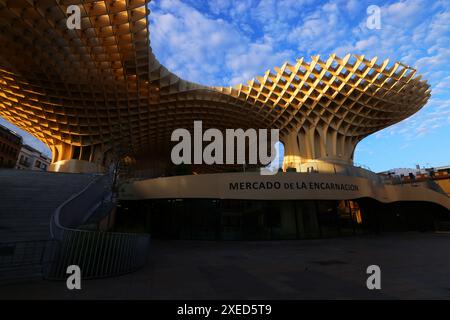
[(99, 92)]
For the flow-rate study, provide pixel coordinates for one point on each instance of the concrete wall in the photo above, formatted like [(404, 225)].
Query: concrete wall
[(307, 186)]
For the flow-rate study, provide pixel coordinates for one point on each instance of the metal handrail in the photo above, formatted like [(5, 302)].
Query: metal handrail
[(55, 221), (97, 253)]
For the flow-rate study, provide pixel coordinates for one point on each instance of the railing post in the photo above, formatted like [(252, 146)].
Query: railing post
[(99, 254)]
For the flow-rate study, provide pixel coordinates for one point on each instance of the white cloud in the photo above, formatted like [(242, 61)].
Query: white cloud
[(237, 40), (219, 6), (247, 62), (403, 13), (443, 86), (321, 31), (353, 6), (209, 50), (192, 43), (431, 117)]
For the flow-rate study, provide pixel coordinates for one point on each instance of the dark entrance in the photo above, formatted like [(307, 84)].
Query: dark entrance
[(213, 219)]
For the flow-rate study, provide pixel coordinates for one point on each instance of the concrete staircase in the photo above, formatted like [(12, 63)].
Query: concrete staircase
[(29, 198), (27, 202)]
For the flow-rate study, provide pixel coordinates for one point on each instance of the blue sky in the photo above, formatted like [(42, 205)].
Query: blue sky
[(226, 42)]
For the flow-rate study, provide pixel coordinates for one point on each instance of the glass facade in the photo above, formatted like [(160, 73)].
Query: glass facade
[(213, 219)]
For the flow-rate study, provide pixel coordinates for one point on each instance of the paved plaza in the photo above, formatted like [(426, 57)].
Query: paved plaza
[(413, 266)]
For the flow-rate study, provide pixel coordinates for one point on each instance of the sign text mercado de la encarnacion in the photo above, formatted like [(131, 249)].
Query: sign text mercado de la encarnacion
[(298, 185)]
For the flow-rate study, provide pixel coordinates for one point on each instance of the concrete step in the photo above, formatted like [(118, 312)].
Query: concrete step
[(28, 199)]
